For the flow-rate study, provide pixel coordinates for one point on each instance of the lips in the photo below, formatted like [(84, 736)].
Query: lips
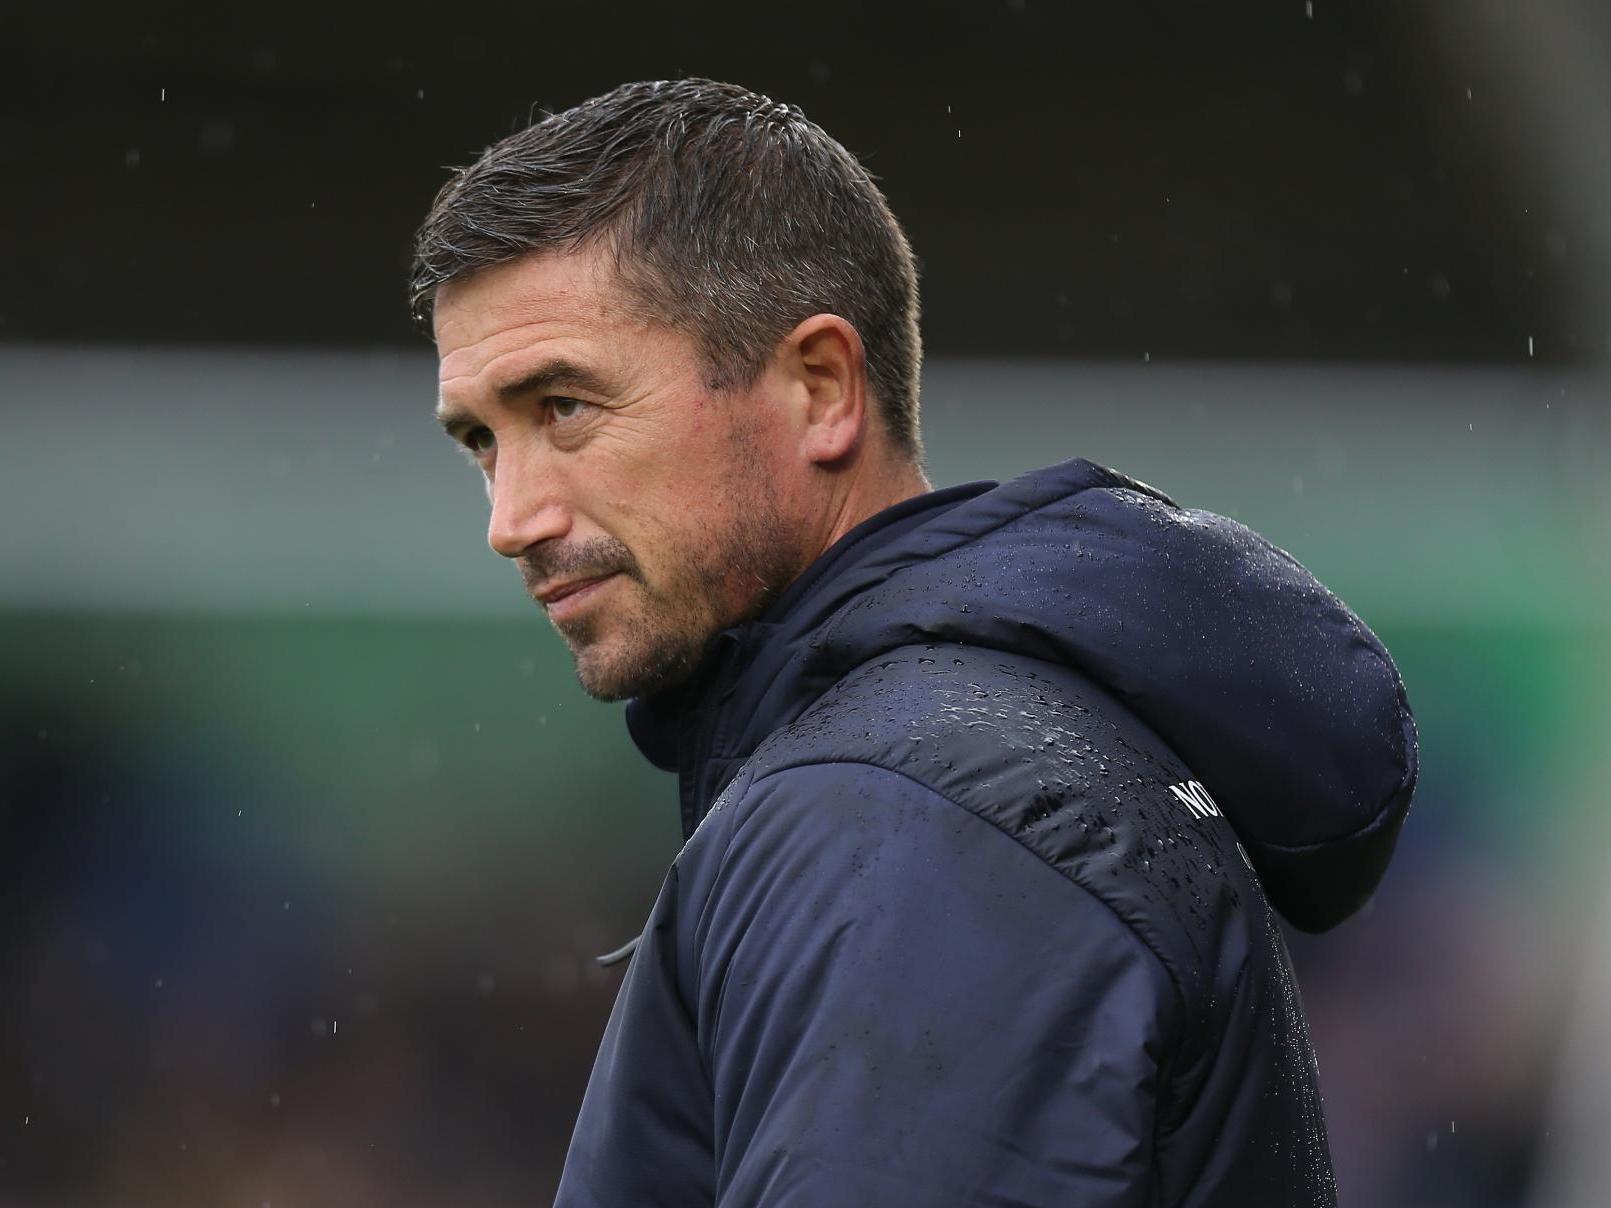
[(558, 591), (561, 600)]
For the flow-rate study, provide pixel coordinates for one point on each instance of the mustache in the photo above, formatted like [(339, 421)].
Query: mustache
[(583, 560)]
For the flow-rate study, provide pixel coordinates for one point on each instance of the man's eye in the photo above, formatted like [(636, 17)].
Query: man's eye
[(565, 408), (478, 440)]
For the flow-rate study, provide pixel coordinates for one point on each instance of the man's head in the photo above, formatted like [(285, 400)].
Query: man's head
[(678, 332)]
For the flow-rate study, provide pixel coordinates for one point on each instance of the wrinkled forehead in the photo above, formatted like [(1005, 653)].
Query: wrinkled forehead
[(558, 318), (486, 313)]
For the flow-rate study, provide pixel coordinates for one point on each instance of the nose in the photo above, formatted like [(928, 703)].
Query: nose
[(527, 506)]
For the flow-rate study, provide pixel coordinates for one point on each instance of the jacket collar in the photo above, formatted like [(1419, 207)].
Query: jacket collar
[(688, 730)]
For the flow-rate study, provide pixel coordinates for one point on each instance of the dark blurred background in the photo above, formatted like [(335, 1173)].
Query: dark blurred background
[(307, 837)]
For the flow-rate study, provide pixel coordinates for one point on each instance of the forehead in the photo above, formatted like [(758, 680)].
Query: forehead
[(569, 297)]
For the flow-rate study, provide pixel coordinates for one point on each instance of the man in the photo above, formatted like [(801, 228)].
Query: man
[(975, 781)]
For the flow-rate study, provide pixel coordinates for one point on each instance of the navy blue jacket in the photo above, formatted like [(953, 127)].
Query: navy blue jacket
[(986, 817)]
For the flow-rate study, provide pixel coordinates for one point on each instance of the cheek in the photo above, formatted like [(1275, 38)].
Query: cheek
[(671, 489)]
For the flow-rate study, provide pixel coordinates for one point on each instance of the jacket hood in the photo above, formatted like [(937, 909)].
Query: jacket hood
[(1277, 696)]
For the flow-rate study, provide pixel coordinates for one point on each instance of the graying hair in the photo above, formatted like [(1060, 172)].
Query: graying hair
[(729, 216)]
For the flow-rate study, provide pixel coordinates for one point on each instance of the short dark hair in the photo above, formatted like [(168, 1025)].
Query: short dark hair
[(730, 217)]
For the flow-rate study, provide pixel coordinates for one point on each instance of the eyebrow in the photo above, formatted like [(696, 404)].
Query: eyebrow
[(546, 376)]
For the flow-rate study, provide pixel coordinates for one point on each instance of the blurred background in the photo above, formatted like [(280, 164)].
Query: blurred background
[(308, 838)]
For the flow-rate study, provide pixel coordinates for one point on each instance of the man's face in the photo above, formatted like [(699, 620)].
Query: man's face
[(637, 503)]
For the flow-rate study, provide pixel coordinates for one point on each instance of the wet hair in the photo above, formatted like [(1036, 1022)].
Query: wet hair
[(729, 217)]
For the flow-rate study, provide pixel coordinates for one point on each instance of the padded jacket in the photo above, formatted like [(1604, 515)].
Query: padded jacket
[(987, 820)]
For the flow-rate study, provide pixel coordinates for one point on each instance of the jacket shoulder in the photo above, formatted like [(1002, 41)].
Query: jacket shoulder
[(1045, 755), (1041, 754)]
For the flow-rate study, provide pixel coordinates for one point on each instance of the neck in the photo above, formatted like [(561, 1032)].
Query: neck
[(866, 494)]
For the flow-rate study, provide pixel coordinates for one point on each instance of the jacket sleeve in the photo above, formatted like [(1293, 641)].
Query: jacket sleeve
[(901, 1004)]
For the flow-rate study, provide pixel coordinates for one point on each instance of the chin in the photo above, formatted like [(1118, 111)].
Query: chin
[(601, 684), (615, 674)]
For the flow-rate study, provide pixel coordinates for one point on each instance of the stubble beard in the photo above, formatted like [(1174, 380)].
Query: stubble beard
[(653, 637)]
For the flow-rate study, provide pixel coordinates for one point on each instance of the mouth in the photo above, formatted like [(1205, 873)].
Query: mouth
[(564, 600)]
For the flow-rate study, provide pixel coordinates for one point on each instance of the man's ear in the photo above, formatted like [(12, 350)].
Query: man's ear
[(825, 356)]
